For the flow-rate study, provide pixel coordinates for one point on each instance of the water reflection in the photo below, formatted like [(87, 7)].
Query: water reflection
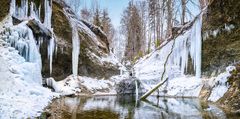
[(125, 107)]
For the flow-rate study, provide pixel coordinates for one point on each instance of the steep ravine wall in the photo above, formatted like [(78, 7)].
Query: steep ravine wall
[(221, 35), (221, 41), (4, 9)]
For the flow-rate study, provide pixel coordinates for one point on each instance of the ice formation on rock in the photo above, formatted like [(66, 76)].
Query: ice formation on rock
[(151, 67), (21, 12), (75, 42), (21, 38)]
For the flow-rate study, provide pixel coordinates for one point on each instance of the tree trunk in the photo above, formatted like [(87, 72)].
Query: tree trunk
[(183, 11), (169, 18)]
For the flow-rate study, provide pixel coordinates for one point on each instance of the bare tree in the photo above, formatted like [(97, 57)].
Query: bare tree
[(169, 18), (86, 14), (132, 24), (183, 3)]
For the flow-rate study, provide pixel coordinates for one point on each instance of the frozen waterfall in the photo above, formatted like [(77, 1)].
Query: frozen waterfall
[(188, 45), (21, 38), (21, 12)]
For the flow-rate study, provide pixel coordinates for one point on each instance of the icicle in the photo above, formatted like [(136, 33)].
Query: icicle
[(12, 7), (22, 11), (75, 51), (50, 53), (34, 13), (48, 13), (198, 47), (136, 88)]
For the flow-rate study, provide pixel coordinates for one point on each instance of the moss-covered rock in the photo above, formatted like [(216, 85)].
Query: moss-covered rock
[(230, 100), (221, 36), (4, 9)]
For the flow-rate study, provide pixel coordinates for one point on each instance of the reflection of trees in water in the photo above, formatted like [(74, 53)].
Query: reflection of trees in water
[(111, 107)]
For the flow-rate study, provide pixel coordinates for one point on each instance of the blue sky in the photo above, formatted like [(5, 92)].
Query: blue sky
[(114, 7)]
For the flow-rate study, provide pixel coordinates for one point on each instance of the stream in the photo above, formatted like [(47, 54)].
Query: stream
[(125, 107)]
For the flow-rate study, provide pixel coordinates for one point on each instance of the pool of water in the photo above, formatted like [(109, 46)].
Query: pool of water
[(126, 107)]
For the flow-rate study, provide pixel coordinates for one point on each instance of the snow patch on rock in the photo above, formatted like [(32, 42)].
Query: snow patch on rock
[(220, 85)]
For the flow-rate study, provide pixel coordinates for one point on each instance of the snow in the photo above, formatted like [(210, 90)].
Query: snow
[(220, 85), (73, 85), (177, 87)]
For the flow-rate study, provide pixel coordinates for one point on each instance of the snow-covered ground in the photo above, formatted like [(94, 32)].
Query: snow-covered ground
[(79, 85)]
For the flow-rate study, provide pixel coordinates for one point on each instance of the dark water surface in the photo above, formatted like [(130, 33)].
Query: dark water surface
[(125, 107)]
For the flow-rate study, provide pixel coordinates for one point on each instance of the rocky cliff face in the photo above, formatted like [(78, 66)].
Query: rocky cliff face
[(221, 46), (230, 100), (4, 10), (94, 49), (221, 35)]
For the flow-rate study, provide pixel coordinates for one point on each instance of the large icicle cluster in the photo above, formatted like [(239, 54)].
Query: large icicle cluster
[(21, 38), (188, 45), (21, 12)]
